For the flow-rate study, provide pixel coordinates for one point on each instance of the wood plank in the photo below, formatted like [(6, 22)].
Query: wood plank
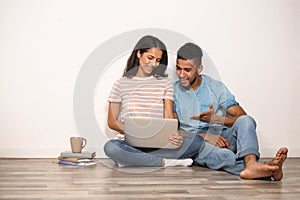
[(45, 179)]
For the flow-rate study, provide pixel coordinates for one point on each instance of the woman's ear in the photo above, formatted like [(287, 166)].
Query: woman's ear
[(138, 54), (200, 69)]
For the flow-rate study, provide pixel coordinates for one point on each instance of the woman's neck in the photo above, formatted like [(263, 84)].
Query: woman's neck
[(142, 74)]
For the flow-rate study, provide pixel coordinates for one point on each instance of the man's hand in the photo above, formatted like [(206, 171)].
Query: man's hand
[(216, 140), (176, 140), (206, 116)]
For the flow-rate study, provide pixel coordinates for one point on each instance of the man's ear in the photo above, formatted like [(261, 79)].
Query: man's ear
[(138, 54), (200, 69)]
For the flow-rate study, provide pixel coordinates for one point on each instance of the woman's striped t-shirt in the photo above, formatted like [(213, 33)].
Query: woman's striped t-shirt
[(141, 97)]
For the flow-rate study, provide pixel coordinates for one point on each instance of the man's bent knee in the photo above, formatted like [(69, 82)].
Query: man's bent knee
[(245, 120)]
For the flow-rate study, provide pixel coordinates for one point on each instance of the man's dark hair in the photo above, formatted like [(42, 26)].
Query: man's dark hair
[(190, 51)]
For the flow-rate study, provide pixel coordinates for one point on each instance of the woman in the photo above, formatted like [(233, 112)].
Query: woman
[(145, 91)]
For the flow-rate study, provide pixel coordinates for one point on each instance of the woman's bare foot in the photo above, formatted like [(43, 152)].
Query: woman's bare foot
[(279, 159)]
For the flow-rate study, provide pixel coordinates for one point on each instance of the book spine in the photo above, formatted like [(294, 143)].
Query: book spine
[(68, 159), (76, 155), (67, 163), (75, 164)]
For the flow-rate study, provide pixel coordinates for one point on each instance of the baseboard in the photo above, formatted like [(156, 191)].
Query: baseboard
[(38, 152), (54, 152)]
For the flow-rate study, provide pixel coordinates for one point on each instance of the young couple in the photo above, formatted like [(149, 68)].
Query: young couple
[(214, 129)]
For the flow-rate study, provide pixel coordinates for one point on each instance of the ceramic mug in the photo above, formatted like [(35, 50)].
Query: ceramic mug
[(77, 144)]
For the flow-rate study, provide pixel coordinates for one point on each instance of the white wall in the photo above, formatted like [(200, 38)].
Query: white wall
[(43, 45)]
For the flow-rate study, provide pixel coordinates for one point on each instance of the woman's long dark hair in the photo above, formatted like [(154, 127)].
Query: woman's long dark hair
[(145, 43)]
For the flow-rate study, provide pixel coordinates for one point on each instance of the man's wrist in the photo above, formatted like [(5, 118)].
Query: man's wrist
[(218, 119)]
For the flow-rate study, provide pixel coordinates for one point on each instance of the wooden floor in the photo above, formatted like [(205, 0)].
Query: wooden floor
[(45, 179)]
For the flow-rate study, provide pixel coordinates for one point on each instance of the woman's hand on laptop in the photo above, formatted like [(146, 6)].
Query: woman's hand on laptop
[(119, 136), (176, 140)]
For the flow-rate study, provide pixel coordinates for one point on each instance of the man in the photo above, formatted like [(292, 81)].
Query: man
[(206, 107)]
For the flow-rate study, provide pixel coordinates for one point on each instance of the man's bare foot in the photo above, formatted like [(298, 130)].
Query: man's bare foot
[(279, 159), (256, 169)]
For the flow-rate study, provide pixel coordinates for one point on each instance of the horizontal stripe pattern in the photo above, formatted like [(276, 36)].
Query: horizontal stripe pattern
[(141, 97)]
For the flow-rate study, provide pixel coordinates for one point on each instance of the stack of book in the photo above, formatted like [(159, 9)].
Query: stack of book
[(77, 159)]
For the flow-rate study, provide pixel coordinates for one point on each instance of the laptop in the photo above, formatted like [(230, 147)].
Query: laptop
[(149, 132)]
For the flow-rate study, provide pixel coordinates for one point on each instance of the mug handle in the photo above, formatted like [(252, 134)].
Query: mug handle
[(83, 142)]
